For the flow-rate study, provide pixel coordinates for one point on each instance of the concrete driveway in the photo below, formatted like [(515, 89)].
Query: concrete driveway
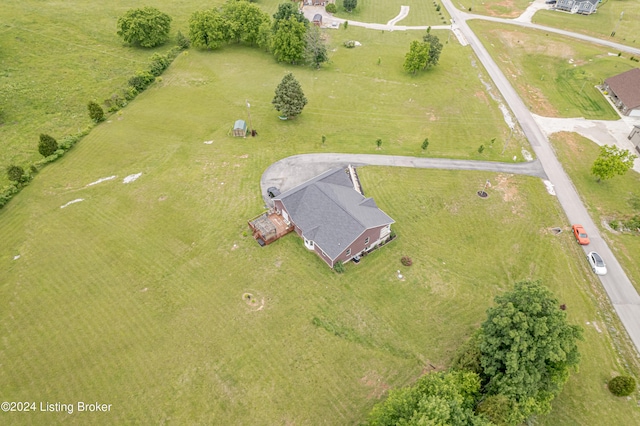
[(292, 171)]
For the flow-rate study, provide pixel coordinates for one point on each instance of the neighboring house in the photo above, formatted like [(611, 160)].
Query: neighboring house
[(334, 220), (634, 137), (240, 128), (624, 90), (584, 7)]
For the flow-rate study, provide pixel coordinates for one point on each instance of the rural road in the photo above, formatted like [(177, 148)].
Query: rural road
[(623, 295), (292, 171)]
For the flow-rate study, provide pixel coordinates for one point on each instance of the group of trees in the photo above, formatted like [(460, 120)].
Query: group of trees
[(510, 370), (289, 36), (423, 54)]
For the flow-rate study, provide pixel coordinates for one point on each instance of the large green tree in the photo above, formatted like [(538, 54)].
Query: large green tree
[(288, 42), (445, 398), (243, 20), (286, 11), (612, 161), (315, 52), (208, 28), (147, 27), (527, 348), (349, 5), (417, 57), (435, 48), (289, 99)]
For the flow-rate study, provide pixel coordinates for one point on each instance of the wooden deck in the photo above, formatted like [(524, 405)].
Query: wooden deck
[(268, 227)]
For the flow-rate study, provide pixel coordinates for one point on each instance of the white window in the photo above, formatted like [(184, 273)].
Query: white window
[(366, 241), (348, 252)]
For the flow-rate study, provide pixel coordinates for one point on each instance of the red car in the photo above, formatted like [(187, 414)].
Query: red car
[(580, 235)]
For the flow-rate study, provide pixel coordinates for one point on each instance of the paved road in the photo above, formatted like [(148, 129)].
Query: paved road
[(623, 295), (292, 171)]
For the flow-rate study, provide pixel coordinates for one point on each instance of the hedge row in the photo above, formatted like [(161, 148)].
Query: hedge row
[(135, 85)]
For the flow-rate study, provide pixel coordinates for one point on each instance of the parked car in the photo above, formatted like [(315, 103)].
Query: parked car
[(596, 262), (273, 192), (580, 234)]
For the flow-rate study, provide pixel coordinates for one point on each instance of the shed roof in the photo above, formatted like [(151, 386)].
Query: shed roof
[(626, 87), (240, 124), (330, 212), (317, 17)]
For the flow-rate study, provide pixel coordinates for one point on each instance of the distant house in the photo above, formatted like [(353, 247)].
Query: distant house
[(240, 128), (583, 7), (634, 137), (317, 19), (335, 220), (624, 90)]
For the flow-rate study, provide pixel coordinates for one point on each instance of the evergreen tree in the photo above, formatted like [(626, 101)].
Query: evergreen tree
[(96, 113), (47, 145), (289, 99)]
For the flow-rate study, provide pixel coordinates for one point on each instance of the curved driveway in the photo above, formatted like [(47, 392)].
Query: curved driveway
[(292, 171)]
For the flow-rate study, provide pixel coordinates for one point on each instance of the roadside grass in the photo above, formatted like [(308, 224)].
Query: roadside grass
[(134, 296), (381, 12), (616, 198), (556, 78), (600, 24), (500, 8)]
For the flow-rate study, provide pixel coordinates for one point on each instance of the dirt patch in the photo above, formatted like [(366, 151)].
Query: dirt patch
[(538, 101), (255, 303), (532, 46), (569, 140), (507, 188), (482, 96), (504, 9), (374, 381)]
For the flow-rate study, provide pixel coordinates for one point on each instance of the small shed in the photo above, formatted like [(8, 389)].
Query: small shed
[(317, 19), (240, 128)]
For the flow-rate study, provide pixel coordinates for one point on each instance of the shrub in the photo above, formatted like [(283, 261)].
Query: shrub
[(622, 385), (129, 93), (425, 144), (141, 80), (47, 145), (96, 113), (338, 267), (406, 261), (15, 173), (8, 193), (350, 44), (481, 149), (331, 8), (182, 41)]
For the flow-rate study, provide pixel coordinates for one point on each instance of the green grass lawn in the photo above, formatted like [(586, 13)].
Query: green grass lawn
[(501, 8), (134, 296), (382, 11), (600, 24), (616, 198), (555, 78)]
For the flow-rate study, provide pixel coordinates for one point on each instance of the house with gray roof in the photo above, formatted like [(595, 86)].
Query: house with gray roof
[(335, 221), (624, 90), (583, 7)]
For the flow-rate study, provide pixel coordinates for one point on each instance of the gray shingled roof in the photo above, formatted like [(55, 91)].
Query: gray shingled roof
[(626, 86), (330, 212)]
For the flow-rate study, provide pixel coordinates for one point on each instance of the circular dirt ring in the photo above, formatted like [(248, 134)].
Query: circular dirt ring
[(482, 194)]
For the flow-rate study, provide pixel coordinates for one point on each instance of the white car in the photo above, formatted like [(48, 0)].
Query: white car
[(596, 262)]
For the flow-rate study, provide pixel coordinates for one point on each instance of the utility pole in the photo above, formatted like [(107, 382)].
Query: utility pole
[(249, 114)]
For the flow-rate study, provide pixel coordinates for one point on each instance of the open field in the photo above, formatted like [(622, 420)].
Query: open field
[(600, 24), (500, 8), (58, 105), (134, 296), (618, 197), (556, 78), (381, 11)]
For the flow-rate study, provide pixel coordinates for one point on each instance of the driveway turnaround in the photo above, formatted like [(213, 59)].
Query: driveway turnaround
[(621, 292), (292, 171)]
